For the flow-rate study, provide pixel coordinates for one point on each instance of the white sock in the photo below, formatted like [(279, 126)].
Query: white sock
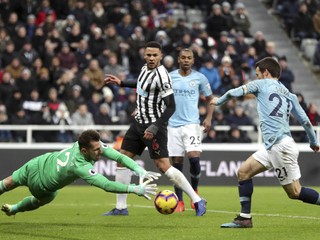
[(245, 215), (123, 175), (180, 181)]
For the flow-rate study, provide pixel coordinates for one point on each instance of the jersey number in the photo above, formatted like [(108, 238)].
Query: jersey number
[(61, 163), (195, 140), (281, 173), (275, 112)]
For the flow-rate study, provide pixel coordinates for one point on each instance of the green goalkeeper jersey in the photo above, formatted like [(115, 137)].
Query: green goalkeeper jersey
[(58, 169)]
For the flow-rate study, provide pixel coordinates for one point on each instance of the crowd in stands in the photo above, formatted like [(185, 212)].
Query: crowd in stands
[(54, 56)]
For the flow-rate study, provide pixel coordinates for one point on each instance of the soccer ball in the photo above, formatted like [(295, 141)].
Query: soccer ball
[(166, 201)]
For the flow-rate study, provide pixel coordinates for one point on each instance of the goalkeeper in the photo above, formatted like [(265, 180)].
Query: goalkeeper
[(47, 173)]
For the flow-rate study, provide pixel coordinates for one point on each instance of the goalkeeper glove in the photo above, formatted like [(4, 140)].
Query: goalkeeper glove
[(148, 175), (144, 189)]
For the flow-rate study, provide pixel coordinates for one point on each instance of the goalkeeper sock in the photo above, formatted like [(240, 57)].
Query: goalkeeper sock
[(2, 187), (177, 178), (178, 191), (309, 195), (27, 204), (245, 192), (123, 175)]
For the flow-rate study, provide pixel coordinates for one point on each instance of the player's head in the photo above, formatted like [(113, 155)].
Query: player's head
[(268, 67), (185, 59), (153, 54), (89, 145)]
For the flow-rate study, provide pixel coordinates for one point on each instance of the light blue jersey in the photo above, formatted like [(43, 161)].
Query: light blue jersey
[(187, 90), (274, 105)]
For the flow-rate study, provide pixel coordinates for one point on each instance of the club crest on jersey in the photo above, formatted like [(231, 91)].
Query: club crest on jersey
[(166, 86), (192, 83), (92, 172)]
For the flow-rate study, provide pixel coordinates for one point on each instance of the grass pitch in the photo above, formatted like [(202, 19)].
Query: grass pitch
[(76, 214)]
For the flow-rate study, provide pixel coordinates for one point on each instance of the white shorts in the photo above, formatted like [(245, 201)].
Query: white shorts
[(184, 139), (283, 158)]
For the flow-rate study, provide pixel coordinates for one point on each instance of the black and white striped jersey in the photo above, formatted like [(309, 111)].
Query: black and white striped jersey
[(152, 86)]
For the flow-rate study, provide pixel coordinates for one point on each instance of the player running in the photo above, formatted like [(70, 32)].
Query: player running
[(274, 104)]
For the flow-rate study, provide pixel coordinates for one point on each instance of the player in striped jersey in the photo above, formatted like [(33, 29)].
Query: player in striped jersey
[(280, 152), (184, 131), (155, 105)]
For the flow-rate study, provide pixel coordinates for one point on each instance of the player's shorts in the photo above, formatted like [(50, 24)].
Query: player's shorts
[(183, 139), (283, 158), (28, 175), (134, 142)]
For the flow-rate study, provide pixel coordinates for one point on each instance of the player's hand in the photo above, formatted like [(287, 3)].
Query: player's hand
[(214, 101), (150, 132), (145, 189), (207, 125), (111, 79), (148, 175), (315, 148)]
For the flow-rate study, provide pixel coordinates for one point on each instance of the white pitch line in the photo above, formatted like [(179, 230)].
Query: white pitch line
[(189, 209)]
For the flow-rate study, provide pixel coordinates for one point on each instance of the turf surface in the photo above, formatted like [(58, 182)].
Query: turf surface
[(76, 214)]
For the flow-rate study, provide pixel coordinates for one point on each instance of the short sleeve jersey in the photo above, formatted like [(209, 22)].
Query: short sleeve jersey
[(187, 90)]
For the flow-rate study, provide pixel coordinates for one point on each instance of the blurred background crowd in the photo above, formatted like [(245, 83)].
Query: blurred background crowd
[(54, 55)]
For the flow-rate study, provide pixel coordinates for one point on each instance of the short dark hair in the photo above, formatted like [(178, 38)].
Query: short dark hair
[(87, 137), (270, 64), (153, 44)]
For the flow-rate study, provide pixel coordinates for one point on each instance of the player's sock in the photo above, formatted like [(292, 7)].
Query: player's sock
[(178, 191), (245, 192), (309, 195), (195, 172), (123, 175), (27, 204), (180, 180), (2, 187)]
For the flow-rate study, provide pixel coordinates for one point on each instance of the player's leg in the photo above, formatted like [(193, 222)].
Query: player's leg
[(288, 173), (192, 136), (177, 152), (131, 146), (247, 170), (7, 184), (28, 204)]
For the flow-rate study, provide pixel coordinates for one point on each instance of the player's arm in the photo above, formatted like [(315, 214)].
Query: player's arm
[(111, 79), (152, 130), (124, 160), (303, 119), (89, 174), (210, 109), (232, 93)]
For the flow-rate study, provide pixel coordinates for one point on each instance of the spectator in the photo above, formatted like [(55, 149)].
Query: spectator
[(43, 82), (64, 84), (8, 54), (75, 99), (259, 42), (96, 43), (98, 16), (303, 25), (54, 37), (27, 54), (83, 55), (237, 136), (7, 87), (241, 20), (212, 137), (61, 117), (177, 32), (216, 22), (103, 117), (15, 102), (5, 135), (249, 60), (288, 13), (226, 12), (26, 83), (52, 100), (115, 13), (239, 44), (136, 41), (316, 56), (95, 73), (44, 12), (94, 104), (313, 114), (112, 39), (316, 22), (19, 117), (20, 37), (82, 15), (125, 27), (287, 76), (38, 40), (12, 24), (226, 72), (148, 33), (211, 72), (67, 58), (74, 37), (270, 51), (82, 117), (113, 67), (302, 102)]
